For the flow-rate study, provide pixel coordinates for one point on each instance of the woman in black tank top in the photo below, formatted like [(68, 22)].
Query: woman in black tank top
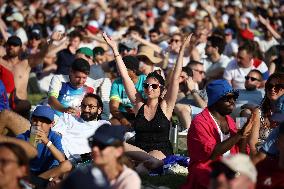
[(152, 122)]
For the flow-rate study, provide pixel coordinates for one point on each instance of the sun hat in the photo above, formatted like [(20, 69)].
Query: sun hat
[(145, 51), (218, 89)]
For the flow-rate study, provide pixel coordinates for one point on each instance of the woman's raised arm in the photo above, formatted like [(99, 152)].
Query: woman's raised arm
[(130, 89), (173, 87)]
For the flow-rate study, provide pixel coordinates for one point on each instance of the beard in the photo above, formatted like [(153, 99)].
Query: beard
[(250, 87), (87, 116)]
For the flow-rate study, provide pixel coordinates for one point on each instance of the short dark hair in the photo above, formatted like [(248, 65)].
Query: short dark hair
[(157, 76), (258, 73), (155, 30), (97, 97), (248, 47), (75, 34), (193, 63), (217, 42), (188, 71), (81, 65), (18, 151)]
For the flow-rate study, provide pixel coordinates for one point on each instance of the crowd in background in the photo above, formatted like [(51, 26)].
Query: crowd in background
[(112, 75)]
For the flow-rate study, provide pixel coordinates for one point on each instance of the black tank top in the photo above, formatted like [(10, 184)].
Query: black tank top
[(153, 134)]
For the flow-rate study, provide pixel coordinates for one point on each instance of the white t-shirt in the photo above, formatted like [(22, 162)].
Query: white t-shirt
[(21, 33), (236, 74), (264, 45), (75, 132), (213, 70)]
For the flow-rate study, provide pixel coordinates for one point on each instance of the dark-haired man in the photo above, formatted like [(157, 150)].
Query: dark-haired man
[(216, 61), (67, 91), (75, 130)]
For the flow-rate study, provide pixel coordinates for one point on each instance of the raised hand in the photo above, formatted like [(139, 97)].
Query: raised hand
[(57, 36), (263, 20), (109, 41), (41, 135), (186, 41)]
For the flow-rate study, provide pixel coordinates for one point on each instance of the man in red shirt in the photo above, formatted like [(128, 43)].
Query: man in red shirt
[(271, 170), (213, 134)]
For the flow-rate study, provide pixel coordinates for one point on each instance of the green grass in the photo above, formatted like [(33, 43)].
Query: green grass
[(35, 98), (170, 181)]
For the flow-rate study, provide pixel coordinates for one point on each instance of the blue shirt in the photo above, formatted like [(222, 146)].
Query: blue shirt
[(118, 93), (44, 160), (269, 147)]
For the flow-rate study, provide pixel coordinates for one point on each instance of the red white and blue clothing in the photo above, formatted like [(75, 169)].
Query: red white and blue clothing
[(237, 74)]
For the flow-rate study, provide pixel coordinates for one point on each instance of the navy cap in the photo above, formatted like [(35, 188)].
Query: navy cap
[(218, 89), (107, 135), (44, 111), (14, 40)]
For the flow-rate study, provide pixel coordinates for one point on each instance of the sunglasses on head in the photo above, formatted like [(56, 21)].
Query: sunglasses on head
[(251, 78), (228, 98), (152, 85), (276, 87), (229, 173)]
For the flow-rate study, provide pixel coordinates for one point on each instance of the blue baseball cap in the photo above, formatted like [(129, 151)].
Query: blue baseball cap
[(278, 115), (44, 111), (218, 89), (107, 135)]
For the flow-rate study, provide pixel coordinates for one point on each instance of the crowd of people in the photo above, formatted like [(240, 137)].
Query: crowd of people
[(112, 74)]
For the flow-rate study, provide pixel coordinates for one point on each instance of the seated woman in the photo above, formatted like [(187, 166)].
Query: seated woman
[(263, 124), (152, 123)]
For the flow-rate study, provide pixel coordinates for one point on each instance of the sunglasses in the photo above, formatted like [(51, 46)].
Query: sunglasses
[(276, 87), (100, 145), (229, 173), (228, 98), (174, 40), (251, 78), (152, 85)]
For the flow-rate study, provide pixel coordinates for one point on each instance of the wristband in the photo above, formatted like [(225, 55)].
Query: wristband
[(194, 91), (49, 144)]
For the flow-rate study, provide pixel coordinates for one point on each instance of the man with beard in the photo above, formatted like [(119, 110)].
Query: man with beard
[(213, 133), (75, 131), (252, 95)]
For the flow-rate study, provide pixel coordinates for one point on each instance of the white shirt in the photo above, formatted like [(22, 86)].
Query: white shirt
[(75, 132), (213, 70), (236, 74), (264, 45), (21, 33)]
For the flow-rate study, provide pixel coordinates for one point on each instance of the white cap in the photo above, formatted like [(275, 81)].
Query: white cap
[(59, 28), (16, 16), (241, 163)]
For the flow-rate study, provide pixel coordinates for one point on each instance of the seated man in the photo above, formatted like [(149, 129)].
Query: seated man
[(49, 160), (76, 130), (213, 133), (252, 94), (120, 105), (66, 92)]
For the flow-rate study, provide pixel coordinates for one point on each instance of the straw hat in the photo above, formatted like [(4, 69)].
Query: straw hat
[(148, 52)]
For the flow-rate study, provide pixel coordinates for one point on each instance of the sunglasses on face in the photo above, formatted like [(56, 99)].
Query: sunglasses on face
[(174, 40), (276, 87), (152, 85), (100, 145), (229, 98), (92, 107), (230, 174), (251, 78)]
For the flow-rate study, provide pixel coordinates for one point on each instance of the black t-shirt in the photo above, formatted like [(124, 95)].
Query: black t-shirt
[(64, 61)]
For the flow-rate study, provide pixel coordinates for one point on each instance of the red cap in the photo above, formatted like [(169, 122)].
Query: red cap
[(246, 34)]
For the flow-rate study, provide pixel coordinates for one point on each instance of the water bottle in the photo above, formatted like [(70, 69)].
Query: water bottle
[(173, 135), (33, 138)]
